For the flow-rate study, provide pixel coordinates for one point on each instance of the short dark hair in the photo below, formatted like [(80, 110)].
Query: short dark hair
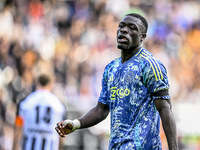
[(144, 21), (44, 79)]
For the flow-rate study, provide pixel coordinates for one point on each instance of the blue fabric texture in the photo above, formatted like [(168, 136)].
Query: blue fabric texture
[(127, 88)]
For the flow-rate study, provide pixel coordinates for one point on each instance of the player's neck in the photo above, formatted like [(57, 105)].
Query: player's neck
[(45, 88), (127, 54)]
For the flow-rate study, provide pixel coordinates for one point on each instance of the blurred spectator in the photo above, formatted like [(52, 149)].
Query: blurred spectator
[(2, 120)]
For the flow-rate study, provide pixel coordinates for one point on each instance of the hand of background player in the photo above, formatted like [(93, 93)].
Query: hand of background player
[(67, 126)]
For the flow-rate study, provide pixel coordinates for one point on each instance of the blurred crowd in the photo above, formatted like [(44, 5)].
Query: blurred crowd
[(75, 39)]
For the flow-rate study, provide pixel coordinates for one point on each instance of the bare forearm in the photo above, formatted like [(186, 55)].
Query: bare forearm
[(169, 126), (94, 116), (168, 121), (17, 138)]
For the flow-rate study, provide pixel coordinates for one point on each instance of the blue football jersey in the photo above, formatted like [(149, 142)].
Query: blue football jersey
[(129, 90)]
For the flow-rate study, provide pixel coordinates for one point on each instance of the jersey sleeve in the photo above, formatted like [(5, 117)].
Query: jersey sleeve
[(156, 80), (103, 98)]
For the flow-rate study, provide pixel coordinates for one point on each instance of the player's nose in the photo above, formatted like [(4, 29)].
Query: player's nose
[(124, 30)]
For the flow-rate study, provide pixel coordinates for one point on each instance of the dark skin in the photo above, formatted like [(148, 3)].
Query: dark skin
[(168, 122), (130, 35)]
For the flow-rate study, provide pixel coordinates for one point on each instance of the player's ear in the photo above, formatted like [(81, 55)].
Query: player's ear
[(143, 36)]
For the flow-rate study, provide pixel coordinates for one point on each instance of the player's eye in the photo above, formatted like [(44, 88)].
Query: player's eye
[(132, 27), (121, 25)]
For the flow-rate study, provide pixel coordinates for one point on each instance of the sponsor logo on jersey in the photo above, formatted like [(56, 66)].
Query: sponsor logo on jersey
[(119, 93)]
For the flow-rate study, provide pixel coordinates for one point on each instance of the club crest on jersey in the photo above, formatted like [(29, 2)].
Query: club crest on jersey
[(129, 77)]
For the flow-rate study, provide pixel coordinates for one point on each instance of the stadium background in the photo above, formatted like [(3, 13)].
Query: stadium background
[(75, 39)]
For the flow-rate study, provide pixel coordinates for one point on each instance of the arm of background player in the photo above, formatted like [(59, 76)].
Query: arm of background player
[(17, 133), (168, 122), (95, 115)]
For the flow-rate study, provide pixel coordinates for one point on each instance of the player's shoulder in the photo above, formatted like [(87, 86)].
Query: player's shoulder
[(109, 66), (112, 63), (152, 64), (27, 98), (56, 101), (25, 102), (148, 58)]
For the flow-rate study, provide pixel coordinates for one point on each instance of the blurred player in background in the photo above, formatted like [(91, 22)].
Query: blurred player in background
[(135, 91), (36, 118)]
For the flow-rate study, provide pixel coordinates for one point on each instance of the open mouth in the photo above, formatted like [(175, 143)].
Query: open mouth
[(122, 39)]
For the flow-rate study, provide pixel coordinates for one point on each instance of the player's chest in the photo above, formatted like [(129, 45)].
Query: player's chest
[(124, 76)]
